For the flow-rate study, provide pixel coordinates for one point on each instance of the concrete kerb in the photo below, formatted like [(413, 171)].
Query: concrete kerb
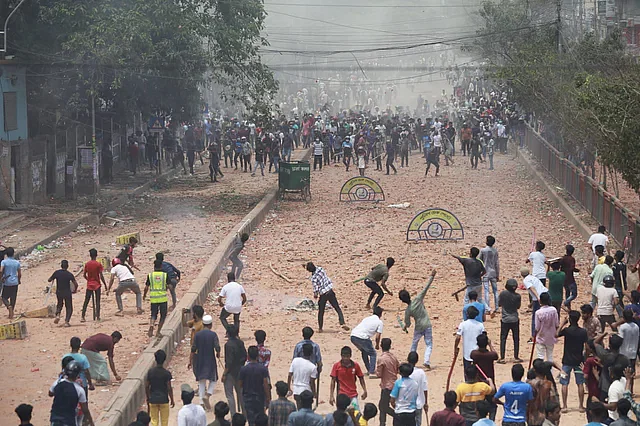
[(90, 218), (568, 211), (94, 218), (124, 404)]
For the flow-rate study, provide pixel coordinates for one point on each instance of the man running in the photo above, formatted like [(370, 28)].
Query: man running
[(64, 290), (379, 274), (156, 285), (417, 310), (173, 277)]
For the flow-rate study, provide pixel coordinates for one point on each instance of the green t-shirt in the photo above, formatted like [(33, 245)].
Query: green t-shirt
[(556, 285), (379, 273)]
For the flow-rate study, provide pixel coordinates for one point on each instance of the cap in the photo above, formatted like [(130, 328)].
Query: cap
[(207, 319), (186, 388), (524, 271)]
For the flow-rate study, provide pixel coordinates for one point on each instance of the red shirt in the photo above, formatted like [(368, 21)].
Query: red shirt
[(99, 343), (346, 377), (589, 369), (92, 270), (447, 417)]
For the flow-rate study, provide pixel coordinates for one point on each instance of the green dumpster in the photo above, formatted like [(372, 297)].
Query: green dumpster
[(295, 177)]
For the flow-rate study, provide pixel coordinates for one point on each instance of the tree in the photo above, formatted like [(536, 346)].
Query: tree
[(151, 56), (589, 92)]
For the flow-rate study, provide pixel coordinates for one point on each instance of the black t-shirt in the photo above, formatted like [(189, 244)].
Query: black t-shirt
[(63, 280), (159, 379), (65, 402), (574, 339), (235, 356)]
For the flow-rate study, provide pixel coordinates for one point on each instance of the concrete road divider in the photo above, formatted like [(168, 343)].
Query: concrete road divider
[(122, 408)]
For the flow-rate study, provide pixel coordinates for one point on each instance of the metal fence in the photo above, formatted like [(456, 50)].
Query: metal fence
[(601, 204)]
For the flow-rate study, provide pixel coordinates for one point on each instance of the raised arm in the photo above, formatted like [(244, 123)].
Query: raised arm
[(423, 293)]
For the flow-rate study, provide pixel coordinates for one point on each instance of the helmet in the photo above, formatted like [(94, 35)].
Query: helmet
[(115, 261), (609, 281), (72, 370)]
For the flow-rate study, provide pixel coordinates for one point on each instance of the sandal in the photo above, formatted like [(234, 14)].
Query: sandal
[(501, 361)]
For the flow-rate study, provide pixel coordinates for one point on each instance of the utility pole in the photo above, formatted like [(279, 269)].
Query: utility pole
[(595, 19), (94, 148), (6, 25), (559, 26)]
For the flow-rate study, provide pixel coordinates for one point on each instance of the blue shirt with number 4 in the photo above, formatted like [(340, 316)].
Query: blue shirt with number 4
[(516, 396)]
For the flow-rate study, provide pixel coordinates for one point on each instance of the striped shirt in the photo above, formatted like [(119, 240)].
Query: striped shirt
[(321, 282)]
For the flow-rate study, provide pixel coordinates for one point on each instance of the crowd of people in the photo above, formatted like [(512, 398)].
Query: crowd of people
[(486, 120), (608, 370)]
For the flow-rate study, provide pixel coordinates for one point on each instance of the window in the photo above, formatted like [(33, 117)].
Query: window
[(10, 103)]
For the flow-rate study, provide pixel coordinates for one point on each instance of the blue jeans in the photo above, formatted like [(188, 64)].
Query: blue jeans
[(365, 346), (535, 305), (286, 154), (490, 161), (494, 287), (571, 293), (477, 289), (253, 405), (427, 334)]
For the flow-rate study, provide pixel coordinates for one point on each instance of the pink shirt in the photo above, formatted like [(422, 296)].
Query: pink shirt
[(547, 322)]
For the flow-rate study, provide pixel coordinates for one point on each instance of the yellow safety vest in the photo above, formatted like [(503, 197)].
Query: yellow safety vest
[(158, 287)]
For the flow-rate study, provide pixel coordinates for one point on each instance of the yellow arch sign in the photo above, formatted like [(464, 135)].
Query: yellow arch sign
[(435, 224), (361, 188)]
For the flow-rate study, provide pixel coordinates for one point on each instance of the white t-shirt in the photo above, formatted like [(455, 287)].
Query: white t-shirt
[(598, 239), (122, 273), (420, 378), (615, 394), (605, 297), (469, 330), (192, 415), (303, 371), (368, 327), (531, 281), (630, 333), (537, 259), (232, 292)]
